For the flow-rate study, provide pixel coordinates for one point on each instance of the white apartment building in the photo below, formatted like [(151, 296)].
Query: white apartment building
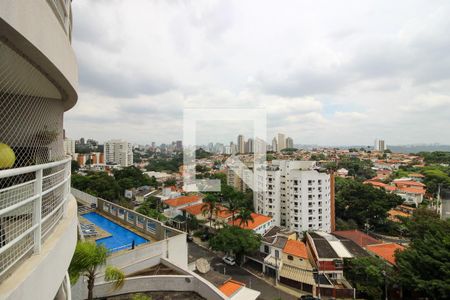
[(289, 143), (380, 145), (296, 196), (118, 152), (240, 144), (69, 146), (281, 143)]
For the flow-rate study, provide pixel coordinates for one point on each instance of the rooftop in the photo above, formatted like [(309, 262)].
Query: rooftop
[(183, 200), (230, 287), (295, 248), (258, 220), (386, 251), (358, 237)]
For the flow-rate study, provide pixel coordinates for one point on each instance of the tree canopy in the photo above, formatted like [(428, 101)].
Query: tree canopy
[(363, 203), (366, 274), (424, 266), (235, 240)]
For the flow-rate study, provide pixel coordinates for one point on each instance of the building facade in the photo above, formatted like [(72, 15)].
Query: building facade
[(296, 196), (118, 152), (38, 214), (281, 142), (69, 146)]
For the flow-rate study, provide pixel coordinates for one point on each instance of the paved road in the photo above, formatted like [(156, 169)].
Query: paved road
[(268, 292)]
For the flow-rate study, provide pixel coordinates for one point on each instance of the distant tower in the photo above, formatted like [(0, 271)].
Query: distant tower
[(289, 143), (380, 145), (274, 145), (250, 146), (241, 144), (281, 143)]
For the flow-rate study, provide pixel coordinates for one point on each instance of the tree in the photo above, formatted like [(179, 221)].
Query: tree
[(170, 182), (363, 203), (86, 261), (367, 275), (141, 296), (245, 216), (74, 166), (210, 207), (235, 240), (234, 202), (424, 266)]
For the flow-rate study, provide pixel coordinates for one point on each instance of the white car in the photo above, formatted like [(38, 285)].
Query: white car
[(229, 260)]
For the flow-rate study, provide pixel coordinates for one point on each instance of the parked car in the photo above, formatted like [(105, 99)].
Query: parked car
[(308, 297), (229, 260), (189, 238), (204, 237)]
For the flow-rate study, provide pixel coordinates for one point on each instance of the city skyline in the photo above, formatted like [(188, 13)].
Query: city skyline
[(376, 70)]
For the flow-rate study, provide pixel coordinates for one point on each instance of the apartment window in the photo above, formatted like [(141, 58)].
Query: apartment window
[(290, 257), (266, 249), (295, 182), (310, 182), (319, 181), (309, 197)]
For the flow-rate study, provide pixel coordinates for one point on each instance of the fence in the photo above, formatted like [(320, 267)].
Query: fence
[(30, 206)]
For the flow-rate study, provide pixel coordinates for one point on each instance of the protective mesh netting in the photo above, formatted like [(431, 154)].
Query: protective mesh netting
[(31, 114)]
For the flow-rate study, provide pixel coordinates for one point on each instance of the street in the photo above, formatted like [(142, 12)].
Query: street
[(268, 292)]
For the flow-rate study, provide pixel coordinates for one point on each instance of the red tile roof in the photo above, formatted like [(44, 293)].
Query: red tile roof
[(358, 237), (295, 248), (409, 183), (411, 190), (386, 251), (182, 200), (230, 287), (197, 209), (258, 220)]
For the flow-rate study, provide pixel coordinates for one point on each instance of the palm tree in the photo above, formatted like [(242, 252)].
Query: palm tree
[(86, 260), (245, 215), (233, 205), (210, 207)]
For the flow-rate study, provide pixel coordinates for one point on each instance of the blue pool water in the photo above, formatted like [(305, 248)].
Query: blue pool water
[(120, 236)]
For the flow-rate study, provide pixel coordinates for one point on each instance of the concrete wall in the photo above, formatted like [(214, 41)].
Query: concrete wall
[(84, 197), (32, 27)]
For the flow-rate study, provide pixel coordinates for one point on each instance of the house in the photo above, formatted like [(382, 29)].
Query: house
[(385, 251), (260, 223), (342, 173), (410, 195), (296, 271), (416, 177), (326, 253), (404, 211), (199, 211), (358, 237), (176, 205)]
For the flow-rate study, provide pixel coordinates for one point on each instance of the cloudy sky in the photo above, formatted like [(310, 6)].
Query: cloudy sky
[(326, 72)]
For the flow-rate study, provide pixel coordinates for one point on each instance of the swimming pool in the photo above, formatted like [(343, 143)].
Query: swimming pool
[(121, 238)]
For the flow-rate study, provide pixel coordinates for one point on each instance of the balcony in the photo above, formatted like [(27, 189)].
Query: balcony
[(32, 201)]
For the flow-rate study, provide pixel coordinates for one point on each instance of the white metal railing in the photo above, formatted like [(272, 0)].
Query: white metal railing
[(32, 201)]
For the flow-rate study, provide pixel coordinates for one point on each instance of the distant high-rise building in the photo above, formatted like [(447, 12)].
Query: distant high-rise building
[(289, 143), (380, 145), (250, 146), (281, 142), (274, 145), (241, 144), (69, 146), (82, 141), (179, 145), (118, 152), (259, 146)]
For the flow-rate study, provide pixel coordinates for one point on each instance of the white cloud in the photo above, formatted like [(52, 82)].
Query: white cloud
[(326, 73)]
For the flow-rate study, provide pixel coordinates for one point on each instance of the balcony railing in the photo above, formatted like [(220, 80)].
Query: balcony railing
[(32, 201)]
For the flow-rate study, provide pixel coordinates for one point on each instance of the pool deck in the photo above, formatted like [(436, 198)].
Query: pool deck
[(103, 233)]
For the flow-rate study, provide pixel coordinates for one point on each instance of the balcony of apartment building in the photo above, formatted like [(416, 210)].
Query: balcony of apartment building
[(38, 80)]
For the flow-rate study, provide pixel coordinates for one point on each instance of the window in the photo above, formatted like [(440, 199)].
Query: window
[(290, 257), (277, 254), (266, 249)]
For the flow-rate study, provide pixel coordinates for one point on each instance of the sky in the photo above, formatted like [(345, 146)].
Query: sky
[(325, 72)]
